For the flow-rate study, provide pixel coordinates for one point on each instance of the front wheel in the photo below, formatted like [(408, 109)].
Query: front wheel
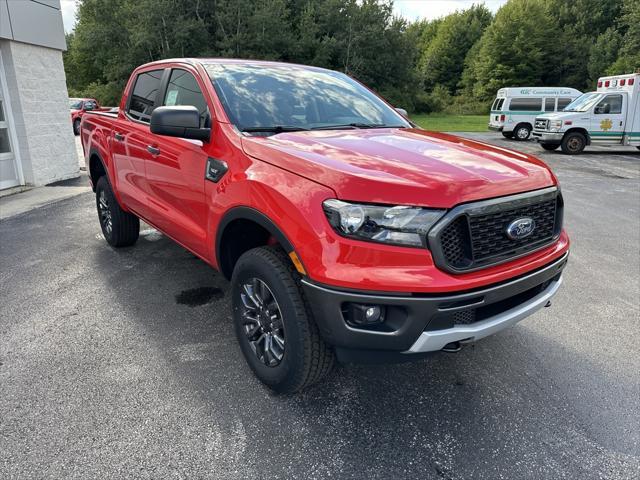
[(120, 228), (549, 146), (522, 132), (573, 143), (274, 323), (76, 126)]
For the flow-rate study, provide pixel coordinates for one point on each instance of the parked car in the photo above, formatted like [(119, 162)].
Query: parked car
[(80, 105), (608, 116), (345, 231), (514, 110)]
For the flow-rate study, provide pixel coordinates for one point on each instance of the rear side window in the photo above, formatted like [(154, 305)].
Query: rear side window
[(563, 102), (183, 89), (549, 104), (526, 104), (143, 97)]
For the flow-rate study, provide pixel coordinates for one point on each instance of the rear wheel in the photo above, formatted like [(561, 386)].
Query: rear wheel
[(274, 323), (573, 143), (120, 228), (76, 126), (522, 131), (507, 134), (549, 146)]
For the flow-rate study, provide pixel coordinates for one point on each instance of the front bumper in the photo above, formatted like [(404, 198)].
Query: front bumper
[(424, 323), (547, 137)]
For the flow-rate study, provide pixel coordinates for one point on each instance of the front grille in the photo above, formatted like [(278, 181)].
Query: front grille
[(475, 235), (541, 124)]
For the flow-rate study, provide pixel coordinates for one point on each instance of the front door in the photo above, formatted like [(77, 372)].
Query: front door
[(607, 122), (9, 173)]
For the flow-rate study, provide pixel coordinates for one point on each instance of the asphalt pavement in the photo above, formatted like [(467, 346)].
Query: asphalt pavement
[(123, 363)]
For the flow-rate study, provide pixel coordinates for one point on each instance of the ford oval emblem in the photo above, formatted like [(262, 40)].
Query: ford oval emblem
[(521, 228)]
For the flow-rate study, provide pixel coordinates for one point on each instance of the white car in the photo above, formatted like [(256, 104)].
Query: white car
[(608, 116), (515, 109)]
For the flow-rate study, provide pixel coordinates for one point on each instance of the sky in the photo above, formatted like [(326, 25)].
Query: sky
[(410, 9)]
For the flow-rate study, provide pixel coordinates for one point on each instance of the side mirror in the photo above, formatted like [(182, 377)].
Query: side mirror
[(602, 109), (402, 112), (181, 121)]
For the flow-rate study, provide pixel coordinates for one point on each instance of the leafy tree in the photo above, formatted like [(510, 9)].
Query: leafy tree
[(442, 61), (516, 49), (629, 54)]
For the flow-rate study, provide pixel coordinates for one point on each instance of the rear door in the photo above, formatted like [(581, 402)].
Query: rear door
[(608, 119), (175, 169), (130, 137)]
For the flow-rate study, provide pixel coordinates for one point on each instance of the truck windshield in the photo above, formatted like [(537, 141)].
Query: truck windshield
[(583, 103), (275, 98)]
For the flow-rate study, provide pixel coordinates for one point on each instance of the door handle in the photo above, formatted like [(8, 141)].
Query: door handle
[(118, 136), (153, 150)]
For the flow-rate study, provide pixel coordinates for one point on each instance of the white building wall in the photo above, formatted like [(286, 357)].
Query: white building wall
[(38, 93)]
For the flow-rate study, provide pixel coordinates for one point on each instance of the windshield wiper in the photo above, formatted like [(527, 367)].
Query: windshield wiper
[(356, 125), (274, 129)]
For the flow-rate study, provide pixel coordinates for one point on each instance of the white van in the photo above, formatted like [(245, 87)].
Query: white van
[(608, 116), (515, 109)]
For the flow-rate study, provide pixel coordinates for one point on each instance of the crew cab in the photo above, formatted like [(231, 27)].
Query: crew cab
[(608, 116), (79, 106), (346, 232)]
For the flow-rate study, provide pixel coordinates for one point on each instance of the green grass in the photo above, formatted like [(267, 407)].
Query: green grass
[(452, 123)]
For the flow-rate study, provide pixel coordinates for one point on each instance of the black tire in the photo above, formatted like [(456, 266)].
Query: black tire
[(124, 227), (522, 132), (305, 357), (507, 134), (549, 146), (573, 143), (76, 126)]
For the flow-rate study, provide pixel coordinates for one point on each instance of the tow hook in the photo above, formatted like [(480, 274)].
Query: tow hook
[(452, 347)]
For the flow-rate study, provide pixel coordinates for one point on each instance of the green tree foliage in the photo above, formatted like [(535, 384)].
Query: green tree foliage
[(447, 42), (454, 63)]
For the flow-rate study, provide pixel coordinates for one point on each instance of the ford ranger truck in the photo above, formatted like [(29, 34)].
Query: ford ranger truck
[(609, 116), (346, 232)]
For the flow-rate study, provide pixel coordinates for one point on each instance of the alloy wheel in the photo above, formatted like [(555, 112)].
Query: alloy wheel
[(105, 213), (262, 322)]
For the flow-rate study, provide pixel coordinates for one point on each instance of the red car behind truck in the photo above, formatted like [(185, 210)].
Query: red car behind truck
[(346, 232), (79, 106)]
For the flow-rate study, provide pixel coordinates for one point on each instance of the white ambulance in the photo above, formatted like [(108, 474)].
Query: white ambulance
[(608, 116), (515, 109)]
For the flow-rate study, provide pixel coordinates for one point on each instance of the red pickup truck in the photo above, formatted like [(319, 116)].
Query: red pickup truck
[(346, 232)]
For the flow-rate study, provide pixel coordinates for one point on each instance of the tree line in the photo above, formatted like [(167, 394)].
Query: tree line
[(453, 64)]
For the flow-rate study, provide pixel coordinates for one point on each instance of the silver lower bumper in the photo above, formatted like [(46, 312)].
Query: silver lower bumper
[(547, 136), (436, 340)]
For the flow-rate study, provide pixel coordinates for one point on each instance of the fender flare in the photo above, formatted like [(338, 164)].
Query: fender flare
[(248, 213)]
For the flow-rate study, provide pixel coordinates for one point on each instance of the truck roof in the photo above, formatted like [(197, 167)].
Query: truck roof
[(231, 61), (538, 92)]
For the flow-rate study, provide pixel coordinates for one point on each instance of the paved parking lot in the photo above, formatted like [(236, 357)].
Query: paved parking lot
[(124, 364)]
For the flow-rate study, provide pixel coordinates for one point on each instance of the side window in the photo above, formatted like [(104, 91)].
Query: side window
[(526, 104), (563, 102), (609, 105), (144, 93), (183, 89), (549, 104)]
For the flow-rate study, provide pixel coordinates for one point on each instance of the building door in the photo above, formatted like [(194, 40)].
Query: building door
[(9, 173)]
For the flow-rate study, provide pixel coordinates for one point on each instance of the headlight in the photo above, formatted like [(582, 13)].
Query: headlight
[(555, 124), (399, 225)]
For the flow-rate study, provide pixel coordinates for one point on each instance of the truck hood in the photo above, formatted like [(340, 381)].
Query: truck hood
[(563, 115), (402, 166)]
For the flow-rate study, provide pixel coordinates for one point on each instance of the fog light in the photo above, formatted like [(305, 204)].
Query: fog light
[(358, 315)]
